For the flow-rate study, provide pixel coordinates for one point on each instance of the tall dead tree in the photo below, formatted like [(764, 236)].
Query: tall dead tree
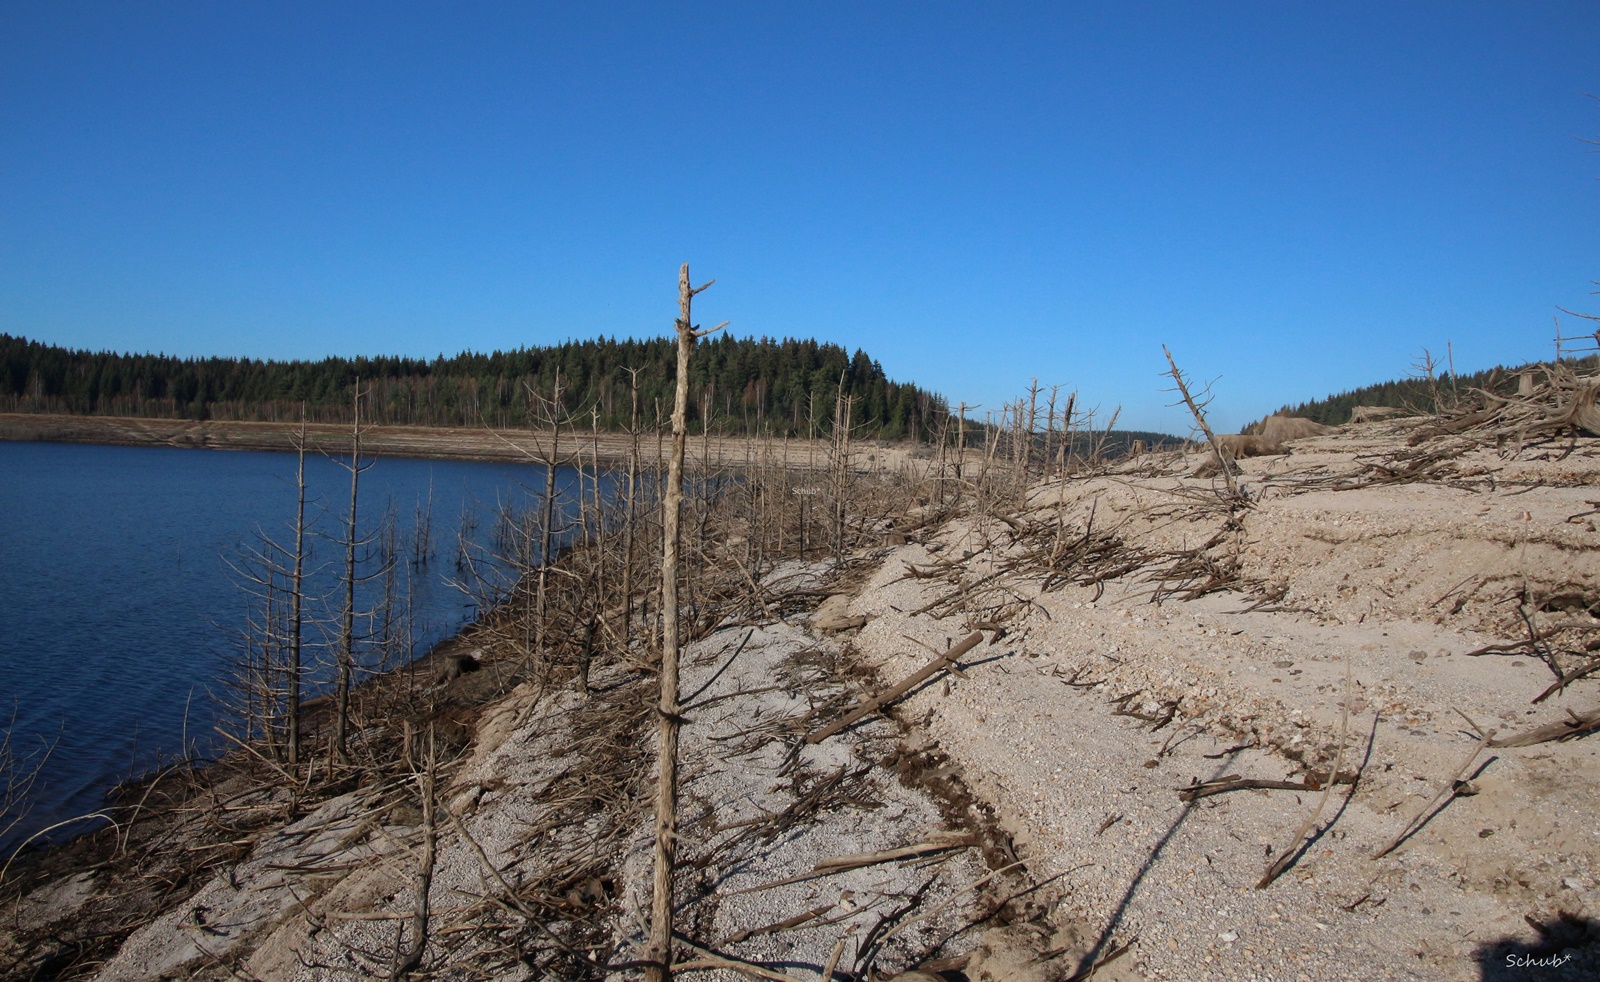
[(297, 594), (839, 466), (659, 950), (548, 518), (1049, 433), (1029, 429), (1069, 432), (633, 486), (961, 443), (267, 688), (347, 621)]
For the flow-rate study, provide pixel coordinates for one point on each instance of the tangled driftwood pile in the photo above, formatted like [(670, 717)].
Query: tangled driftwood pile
[(1562, 402)]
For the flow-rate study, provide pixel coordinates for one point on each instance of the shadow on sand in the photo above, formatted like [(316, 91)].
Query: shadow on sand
[(1568, 948)]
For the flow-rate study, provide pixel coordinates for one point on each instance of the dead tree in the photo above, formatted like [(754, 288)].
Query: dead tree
[(839, 465), (268, 682), (409, 958), (548, 509), (1027, 430), (597, 533), (297, 594), (345, 651), (1425, 368), (19, 771), (1047, 455), (633, 487), (991, 441), (659, 950), (1198, 411), (961, 441), (1069, 433)]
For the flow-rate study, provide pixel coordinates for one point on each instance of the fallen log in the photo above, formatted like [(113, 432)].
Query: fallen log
[(897, 690)]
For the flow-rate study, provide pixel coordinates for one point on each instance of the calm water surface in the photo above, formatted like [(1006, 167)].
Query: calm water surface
[(118, 610)]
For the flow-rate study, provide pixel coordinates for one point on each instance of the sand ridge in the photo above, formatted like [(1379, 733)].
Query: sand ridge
[(1393, 583)]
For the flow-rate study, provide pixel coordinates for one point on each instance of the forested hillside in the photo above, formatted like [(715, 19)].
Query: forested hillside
[(1420, 395), (743, 384)]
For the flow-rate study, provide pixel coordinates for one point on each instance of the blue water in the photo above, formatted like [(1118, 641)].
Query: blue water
[(119, 614)]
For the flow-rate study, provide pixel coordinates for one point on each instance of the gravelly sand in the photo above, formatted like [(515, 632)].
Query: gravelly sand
[(1363, 571)]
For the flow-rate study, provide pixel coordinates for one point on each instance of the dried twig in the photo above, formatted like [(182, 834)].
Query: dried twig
[(1282, 862), (1232, 782), (1577, 725), (1448, 791), (709, 960), (895, 691)]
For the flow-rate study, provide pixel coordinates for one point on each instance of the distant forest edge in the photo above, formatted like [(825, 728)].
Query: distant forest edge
[(744, 385), (1421, 395)]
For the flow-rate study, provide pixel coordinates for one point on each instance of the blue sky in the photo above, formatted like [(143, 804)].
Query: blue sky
[(1297, 198)]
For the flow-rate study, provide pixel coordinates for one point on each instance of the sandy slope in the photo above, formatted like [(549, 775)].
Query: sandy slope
[(1391, 583)]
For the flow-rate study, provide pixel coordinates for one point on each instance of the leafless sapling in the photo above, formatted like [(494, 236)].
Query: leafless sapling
[(1197, 409)]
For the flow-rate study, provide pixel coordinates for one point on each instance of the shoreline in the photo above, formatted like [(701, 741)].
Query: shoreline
[(427, 442)]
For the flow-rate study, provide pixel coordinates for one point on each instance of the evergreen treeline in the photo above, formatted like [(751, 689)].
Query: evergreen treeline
[(1421, 395), (741, 384)]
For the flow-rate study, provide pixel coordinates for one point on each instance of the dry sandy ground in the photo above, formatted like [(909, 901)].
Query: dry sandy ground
[(1379, 592), (1046, 771)]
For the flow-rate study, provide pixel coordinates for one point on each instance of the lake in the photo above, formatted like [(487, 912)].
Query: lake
[(121, 609)]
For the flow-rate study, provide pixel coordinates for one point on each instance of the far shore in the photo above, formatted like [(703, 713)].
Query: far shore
[(456, 443)]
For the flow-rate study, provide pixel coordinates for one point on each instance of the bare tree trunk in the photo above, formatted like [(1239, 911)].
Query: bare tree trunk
[(1069, 432), (839, 466), (1028, 430), (659, 950), (991, 438), (811, 475), (347, 627), (661, 477), (599, 513), (783, 502), (961, 441), (296, 594), (547, 529), (705, 472), (422, 883), (633, 484), (1049, 433)]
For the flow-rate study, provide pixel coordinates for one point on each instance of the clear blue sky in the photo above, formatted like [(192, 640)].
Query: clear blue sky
[(1297, 198)]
